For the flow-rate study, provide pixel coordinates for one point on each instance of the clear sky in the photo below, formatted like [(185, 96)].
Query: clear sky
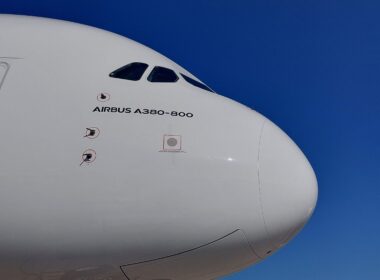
[(312, 67)]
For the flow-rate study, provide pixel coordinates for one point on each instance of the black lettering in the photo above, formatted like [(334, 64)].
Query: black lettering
[(128, 110)]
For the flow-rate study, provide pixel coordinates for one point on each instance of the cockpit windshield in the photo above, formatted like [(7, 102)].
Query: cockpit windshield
[(132, 71), (196, 83), (135, 70), (161, 74)]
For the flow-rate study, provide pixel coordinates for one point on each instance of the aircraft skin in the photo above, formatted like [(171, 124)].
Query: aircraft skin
[(108, 178)]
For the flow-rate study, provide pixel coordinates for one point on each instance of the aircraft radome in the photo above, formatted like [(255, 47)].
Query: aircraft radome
[(116, 163)]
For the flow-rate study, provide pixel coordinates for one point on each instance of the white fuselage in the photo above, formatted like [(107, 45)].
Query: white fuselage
[(109, 178)]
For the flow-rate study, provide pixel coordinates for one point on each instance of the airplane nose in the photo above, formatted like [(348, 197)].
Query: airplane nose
[(288, 186)]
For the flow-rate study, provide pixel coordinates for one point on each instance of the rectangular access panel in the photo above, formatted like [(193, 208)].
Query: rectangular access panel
[(230, 253)]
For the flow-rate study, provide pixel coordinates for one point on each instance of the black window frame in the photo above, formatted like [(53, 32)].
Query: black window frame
[(196, 83), (138, 77), (156, 69)]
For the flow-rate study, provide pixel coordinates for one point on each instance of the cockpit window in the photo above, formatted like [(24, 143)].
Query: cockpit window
[(196, 83), (162, 75), (132, 71)]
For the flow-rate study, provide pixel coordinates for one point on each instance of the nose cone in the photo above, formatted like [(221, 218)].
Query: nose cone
[(288, 186)]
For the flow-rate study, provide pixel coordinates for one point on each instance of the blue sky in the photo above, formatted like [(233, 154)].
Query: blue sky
[(313, 67)]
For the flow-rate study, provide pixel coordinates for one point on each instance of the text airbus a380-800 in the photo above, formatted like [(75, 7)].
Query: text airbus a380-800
[(132, 168)]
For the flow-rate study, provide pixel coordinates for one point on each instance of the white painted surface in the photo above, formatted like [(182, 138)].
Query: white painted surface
[(131, 202)]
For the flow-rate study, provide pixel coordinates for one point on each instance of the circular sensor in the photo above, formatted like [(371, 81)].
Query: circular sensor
[(102, 97), (88, 156), (172, 142), (92, 132)]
